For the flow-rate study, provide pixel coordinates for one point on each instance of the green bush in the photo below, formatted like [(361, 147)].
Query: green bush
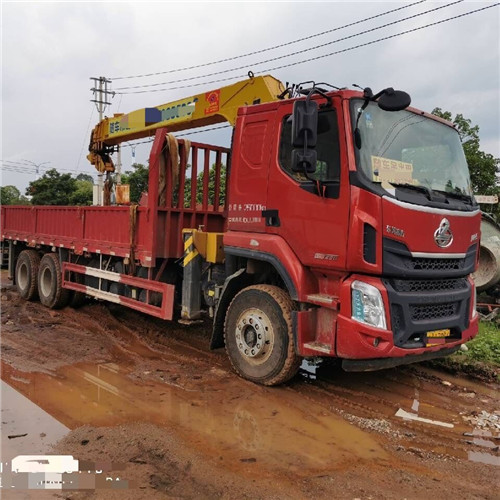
[(485, 346)]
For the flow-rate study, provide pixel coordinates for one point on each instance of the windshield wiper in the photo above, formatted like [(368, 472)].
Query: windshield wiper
[(421, 189), (456, 194)]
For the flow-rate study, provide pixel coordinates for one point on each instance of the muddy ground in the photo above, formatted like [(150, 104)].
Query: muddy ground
[(147, 403)]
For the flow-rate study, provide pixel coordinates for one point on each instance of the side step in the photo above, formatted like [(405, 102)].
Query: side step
[(164, 311)]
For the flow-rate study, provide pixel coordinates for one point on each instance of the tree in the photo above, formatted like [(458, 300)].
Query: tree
[(138, 181), (52, 188), (85, 177), (139, 177), (10, 195), (211, 187), (483, 167), (83, 193)]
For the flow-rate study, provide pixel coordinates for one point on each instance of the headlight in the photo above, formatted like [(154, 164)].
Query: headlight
[(367, 305)]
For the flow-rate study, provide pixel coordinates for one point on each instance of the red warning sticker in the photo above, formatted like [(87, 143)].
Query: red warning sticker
[(213, 99)]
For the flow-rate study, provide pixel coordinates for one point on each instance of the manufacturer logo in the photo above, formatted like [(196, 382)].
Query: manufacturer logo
[(325, 256), (395, 231), (443, 235)]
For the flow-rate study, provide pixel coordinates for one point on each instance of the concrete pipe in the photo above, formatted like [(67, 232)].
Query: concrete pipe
[(488, 271)]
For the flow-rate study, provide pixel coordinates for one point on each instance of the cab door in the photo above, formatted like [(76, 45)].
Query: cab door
[(311, 214)]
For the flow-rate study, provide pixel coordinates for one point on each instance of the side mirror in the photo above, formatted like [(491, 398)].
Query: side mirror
[(305, 124), (393, 100), (304, 136)]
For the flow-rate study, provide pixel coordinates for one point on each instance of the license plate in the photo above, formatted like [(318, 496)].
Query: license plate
[(438, 334)]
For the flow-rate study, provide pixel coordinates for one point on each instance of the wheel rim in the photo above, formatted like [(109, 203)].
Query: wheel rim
[(46, 282), (254, 336), (23, 276)]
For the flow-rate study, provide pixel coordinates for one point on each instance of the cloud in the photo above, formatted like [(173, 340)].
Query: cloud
[(50, 50)]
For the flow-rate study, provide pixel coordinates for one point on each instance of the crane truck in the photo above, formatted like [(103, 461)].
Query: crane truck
[(340, 223)]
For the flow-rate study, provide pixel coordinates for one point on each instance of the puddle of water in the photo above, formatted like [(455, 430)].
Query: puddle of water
[(20, 416), (479, 388), (483, 458), (242, 421)]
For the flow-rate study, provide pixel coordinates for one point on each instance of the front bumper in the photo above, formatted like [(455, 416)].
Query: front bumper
[(355, 340), (368, 365)]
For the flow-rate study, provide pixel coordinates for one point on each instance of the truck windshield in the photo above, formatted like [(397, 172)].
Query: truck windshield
[(402, 148)]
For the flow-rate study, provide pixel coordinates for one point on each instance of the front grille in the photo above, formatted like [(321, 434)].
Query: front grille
[(426, 264), (432, 311), (429, 285)]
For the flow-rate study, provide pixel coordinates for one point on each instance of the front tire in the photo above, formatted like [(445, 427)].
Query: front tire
[(27, 266), (52, 294), (259, 335)]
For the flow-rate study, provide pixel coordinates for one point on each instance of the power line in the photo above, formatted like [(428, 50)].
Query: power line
[(227, 59), (22, 167), (318, 57), (16, 163), (18, 170), (23, 162), (291, 54), (206, 130), (149, 141)]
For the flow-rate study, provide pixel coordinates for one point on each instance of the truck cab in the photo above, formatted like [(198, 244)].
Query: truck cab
[(375, 244)]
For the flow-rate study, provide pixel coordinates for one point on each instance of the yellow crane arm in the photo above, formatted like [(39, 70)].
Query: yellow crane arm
[(207, 108)]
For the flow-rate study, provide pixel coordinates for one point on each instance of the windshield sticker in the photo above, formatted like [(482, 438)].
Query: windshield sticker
[(386, 170), (368, 120)]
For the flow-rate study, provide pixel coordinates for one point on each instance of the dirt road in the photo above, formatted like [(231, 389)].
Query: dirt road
[(148, 403)]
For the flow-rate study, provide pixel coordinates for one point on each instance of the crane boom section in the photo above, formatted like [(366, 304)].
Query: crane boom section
[(208, 108)]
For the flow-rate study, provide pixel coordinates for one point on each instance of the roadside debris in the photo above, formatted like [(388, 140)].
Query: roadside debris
[(484, 420), (17, 436), (411, 416)]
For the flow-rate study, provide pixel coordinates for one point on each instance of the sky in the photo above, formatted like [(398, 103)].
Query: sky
[(50, 51)]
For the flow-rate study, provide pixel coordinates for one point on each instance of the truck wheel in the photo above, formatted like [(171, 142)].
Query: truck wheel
[(27, 266), (52, 294), (258, 335)]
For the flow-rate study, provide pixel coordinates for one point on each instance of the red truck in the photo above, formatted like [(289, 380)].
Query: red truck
[(346, 227)]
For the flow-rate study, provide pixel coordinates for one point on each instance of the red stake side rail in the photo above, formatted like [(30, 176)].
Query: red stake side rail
[(145, 232), (103, 230)]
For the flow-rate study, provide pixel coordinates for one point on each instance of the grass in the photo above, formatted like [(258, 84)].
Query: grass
[(485, 347), (482, 358)]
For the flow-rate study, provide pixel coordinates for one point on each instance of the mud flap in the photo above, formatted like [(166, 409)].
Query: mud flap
[(232, 286)]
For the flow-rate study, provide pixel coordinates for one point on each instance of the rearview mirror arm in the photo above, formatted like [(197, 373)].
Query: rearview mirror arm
[(314, 90)]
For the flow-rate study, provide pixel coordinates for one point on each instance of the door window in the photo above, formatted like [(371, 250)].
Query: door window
[(327, 148)]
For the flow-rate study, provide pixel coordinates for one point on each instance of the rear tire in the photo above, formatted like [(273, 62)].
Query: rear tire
[(27, 266), (259, 335), (52, 294)]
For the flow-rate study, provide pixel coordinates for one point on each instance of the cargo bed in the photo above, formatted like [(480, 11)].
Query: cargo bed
[(147, 231)]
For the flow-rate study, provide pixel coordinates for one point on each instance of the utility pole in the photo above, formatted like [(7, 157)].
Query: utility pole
[(101, 93), (119, 167), (37, 166)]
